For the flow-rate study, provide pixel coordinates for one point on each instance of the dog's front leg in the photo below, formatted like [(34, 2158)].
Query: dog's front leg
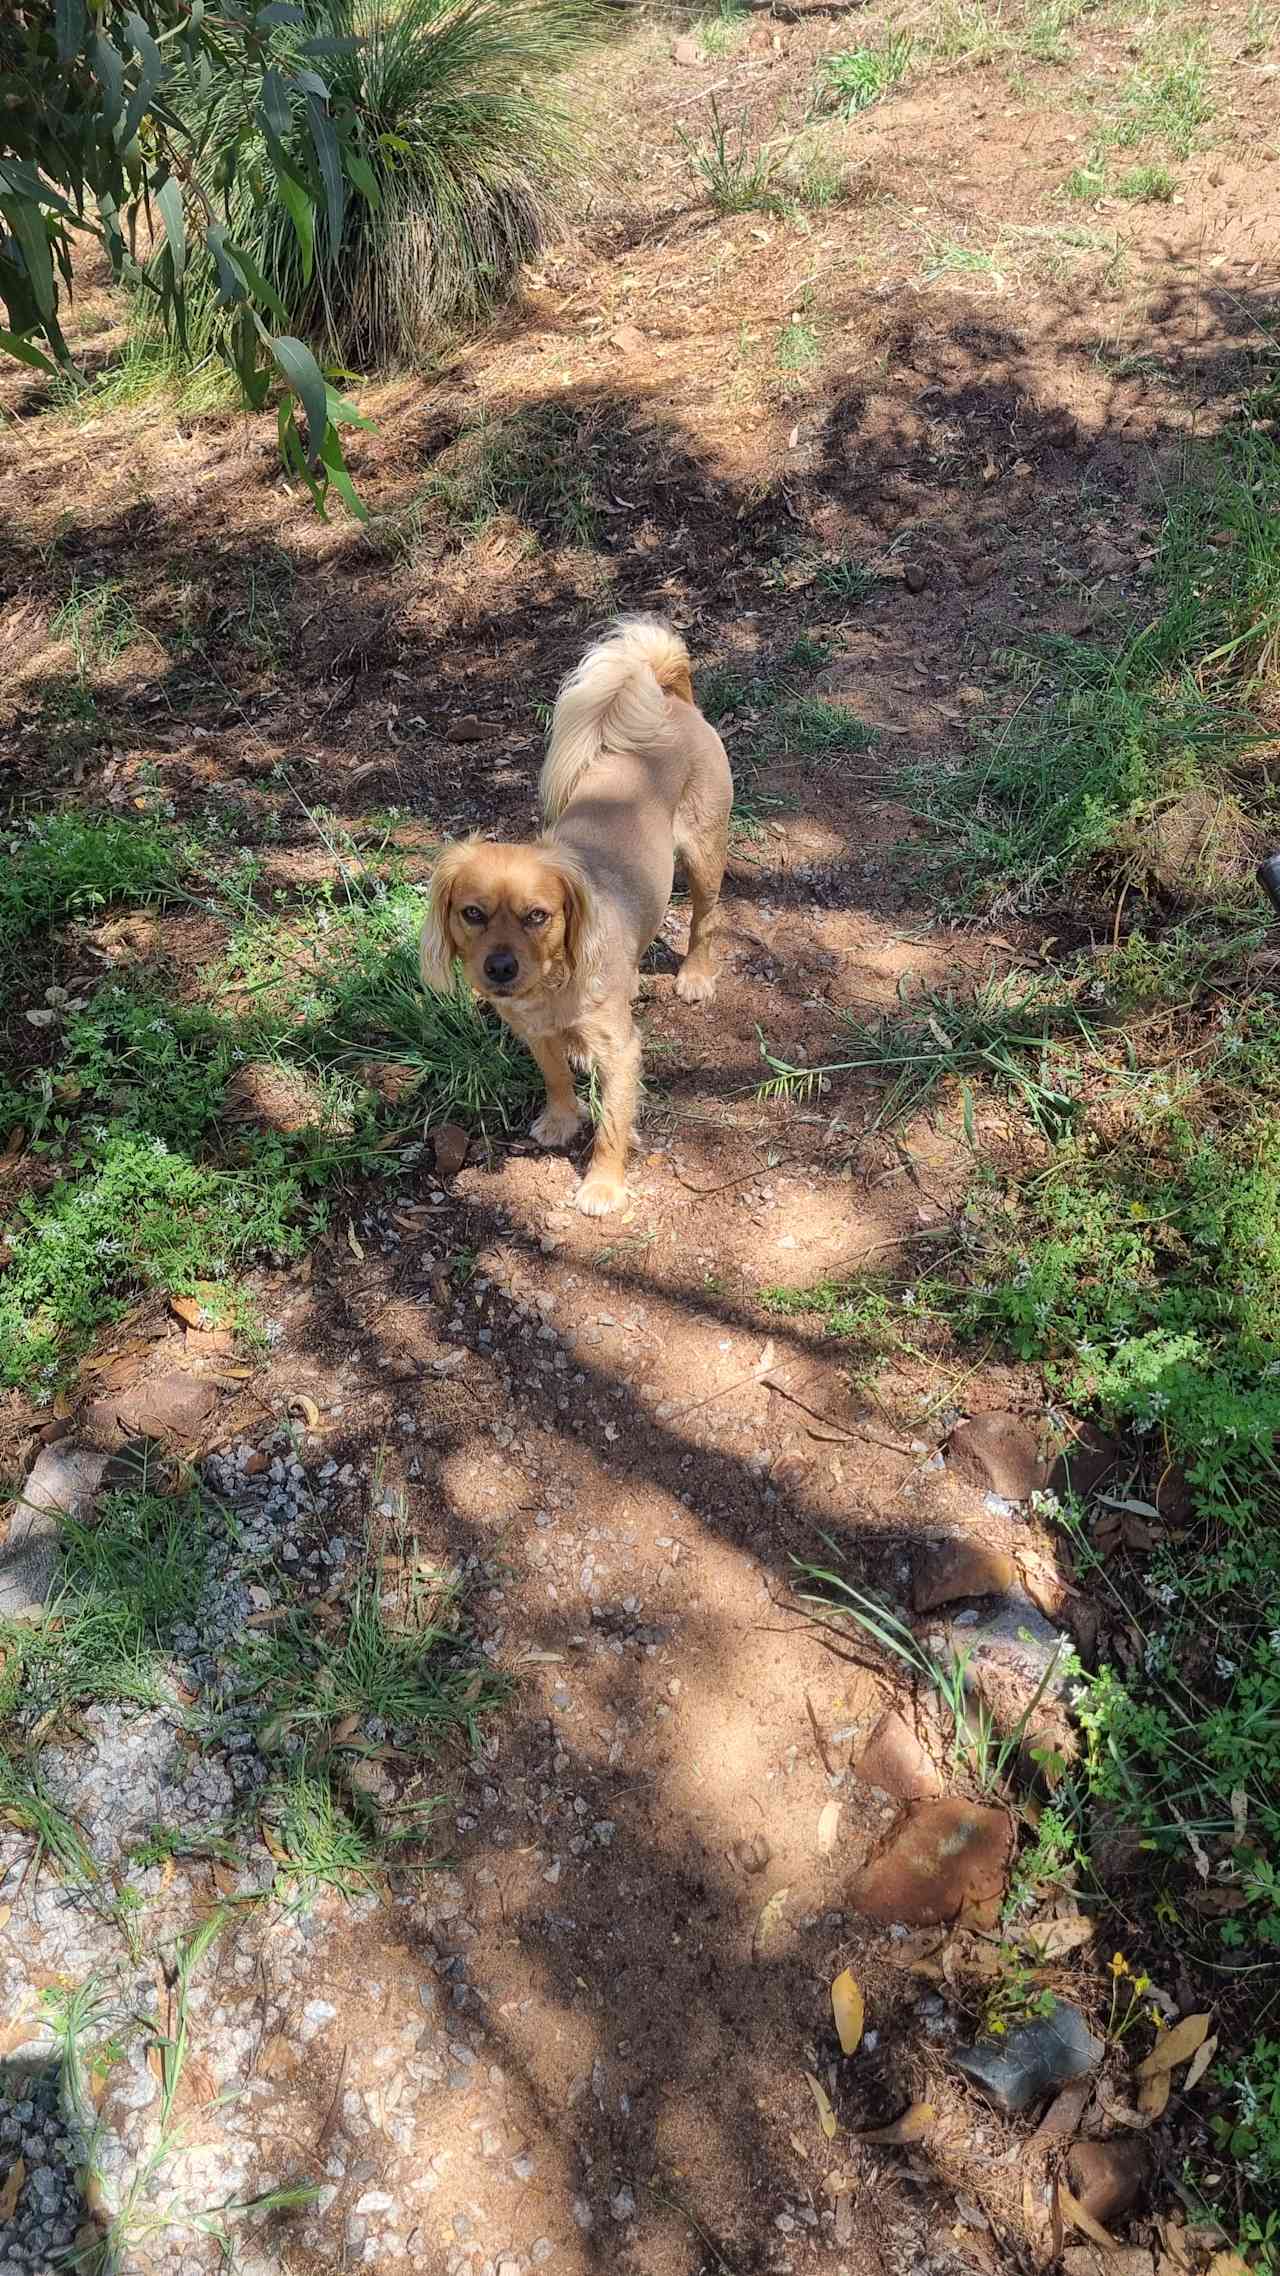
[(604, 1186), (562, 1117)]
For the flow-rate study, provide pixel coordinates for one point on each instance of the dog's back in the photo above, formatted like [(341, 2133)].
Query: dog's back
[(614, 702)]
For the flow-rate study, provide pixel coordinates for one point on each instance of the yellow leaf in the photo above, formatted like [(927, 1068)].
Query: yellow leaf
[(1072, 2210), (300, 1404), (848, 2010), (915, 2125), (826, 2115), (186, 1308), (766, 1924), (1227, 2264), (352, 1242), (14, 2179), (1175, 2046)]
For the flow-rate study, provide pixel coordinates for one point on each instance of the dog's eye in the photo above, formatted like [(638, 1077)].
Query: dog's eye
[(473, 916), (536, 917)]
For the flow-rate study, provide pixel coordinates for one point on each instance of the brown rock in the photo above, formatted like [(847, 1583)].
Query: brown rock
[(998, 1453), (687, 52), (1084, 1456), (963, 1566), (628, 338), (915, 577), (467, 729), (171, 1406), (1110, 2177), (450, 1143), (894, 1760), (944, 1858)]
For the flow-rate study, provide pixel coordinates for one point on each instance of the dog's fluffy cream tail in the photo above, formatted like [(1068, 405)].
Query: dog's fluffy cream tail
[(613, 702)]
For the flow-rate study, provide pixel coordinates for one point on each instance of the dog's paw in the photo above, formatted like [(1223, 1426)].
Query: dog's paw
[(599, 1193), (695, 987), (555, 1126)]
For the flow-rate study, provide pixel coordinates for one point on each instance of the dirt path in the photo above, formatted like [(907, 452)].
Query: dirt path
[(585, 2043)]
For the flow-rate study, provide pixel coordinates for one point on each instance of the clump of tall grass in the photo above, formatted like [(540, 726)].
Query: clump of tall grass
[(470, 148)]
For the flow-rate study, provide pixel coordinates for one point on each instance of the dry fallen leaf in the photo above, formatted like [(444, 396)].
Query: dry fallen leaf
[(826, 2115), (1227, 2264), (828, 1828), (13, 2181), (1174, 2046), (848, 2010), (300, 1404), (766, 1924), (1153, 2094), (353, 1243), (1058, 1937), (1072, 2210), (1200, 2062), (186, 1308), (915, 2125)]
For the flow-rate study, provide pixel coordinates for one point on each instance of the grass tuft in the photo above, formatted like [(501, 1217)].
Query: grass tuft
[(860, 76)]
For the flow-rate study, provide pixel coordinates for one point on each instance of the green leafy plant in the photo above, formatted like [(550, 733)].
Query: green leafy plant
[(100, 133)]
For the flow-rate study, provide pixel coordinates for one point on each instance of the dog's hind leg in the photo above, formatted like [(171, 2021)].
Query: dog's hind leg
[(704, 852), (618, 1059)]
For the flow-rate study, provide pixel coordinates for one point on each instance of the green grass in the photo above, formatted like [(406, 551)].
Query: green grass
[(1104, 734), (738, 174), (860, 76), (1006, 1033), (311, 1689), (1146, 185), (846, 580), (1128, 1250), (98, 622), (73, 864), (720, 29), (546, 467), (153, 1176), (797, 345), (1167, 103), (806, 727)]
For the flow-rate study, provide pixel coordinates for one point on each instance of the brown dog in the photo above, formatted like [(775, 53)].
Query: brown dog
[(552, 933)]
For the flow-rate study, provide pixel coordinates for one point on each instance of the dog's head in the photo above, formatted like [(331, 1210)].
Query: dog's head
[(518, 917)]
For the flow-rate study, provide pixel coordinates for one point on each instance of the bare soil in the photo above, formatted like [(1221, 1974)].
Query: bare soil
[(639, 1925)]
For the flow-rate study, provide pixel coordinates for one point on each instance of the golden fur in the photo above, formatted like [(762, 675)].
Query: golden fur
[(551, 933)]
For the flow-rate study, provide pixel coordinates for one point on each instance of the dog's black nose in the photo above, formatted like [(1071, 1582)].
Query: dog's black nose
[(501, 967)]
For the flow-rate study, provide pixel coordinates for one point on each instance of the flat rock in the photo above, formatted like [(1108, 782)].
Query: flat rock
[(170, 1406), (628, 338), (998, 1453), (1011, 1655), (945, 1856), (61, 1483), (894, 1760), (960, 1567), (1032, 2061), (687, 52), (1110, 2177)]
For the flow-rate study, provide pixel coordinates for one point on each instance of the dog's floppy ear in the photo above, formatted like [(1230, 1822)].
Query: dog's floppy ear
[(436, 951), (581, 931)]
